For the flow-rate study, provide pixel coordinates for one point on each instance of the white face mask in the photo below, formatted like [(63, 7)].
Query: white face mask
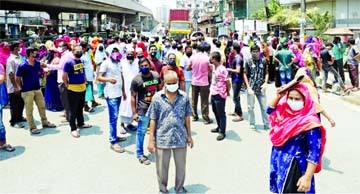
[(172, 87), (20, 50), (295, 105)]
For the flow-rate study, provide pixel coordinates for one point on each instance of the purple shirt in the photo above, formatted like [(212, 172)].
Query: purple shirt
[(200, 69)]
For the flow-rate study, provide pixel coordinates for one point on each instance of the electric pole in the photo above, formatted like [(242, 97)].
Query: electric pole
[(302, 21)]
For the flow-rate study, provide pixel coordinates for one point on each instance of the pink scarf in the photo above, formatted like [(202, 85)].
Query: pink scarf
[(287, 123), (4, 52)]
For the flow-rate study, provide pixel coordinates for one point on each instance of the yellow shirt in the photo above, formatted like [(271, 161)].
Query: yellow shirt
[(178, 58), (77, 87)]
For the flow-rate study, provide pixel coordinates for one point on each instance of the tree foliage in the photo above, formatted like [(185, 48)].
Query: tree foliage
[(274, 7), (289, 18)]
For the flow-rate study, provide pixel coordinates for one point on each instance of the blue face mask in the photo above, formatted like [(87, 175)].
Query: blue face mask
[(172, 62), (140, 57), (144, 70), (130, 57)]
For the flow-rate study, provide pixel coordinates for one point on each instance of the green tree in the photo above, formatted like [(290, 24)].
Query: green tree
[(320, 21), (274, 7)]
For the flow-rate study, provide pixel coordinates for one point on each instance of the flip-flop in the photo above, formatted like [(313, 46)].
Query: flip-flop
[(35, 131), (8, 148), (49, 125), (144, 160)]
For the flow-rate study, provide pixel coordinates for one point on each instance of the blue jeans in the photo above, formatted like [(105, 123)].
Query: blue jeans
[(251, 104), (187, 87), (2, 126), (113, 106), (285, 76), (140, 134), (218, 106)]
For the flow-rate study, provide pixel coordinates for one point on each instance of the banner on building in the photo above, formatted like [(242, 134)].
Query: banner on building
[(261, 26)]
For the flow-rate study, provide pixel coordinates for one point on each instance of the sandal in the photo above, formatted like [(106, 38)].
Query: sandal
[(49, 125), (117, 148), (85, 126), (8, 148), (35, 131), (144, 160)]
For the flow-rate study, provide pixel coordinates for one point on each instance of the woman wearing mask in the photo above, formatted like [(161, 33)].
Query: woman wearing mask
[(299, 59), (298, 140), (52, 94), (100, 57)]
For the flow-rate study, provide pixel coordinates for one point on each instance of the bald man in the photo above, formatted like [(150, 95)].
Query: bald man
[(170, 131)]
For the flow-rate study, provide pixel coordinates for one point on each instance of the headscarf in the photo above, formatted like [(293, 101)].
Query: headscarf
[(143, 47), (310, 84), (298, 56), (42, 52), (99, 55), (4, 52), (23, 48), (49, 44), (287, 123)]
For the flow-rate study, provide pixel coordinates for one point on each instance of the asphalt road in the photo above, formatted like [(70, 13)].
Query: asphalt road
[(54, 162)]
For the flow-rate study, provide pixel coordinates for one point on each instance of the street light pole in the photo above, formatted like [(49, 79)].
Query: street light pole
[(302, 21)]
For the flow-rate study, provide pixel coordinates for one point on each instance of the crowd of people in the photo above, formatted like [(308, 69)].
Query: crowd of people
[(157, 83)]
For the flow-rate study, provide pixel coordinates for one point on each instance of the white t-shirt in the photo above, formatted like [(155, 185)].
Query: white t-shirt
[(112, 70), (12, 65)]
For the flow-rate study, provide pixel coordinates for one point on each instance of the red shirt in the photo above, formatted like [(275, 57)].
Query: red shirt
[(178, 71), (155, 64)]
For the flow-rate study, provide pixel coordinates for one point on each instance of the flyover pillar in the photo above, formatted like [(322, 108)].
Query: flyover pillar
[(95, 21), (54, 17)]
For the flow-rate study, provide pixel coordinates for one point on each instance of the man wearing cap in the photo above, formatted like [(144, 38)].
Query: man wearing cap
[(130, 69)]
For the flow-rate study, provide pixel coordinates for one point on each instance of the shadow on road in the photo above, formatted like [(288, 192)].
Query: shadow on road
[(194, 188), (7, 155), (47, 131), (232, 135), (94, 130), (326, 165)]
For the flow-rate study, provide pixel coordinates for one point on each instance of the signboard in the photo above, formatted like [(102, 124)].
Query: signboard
[(239, 25), (249, 26), (261, 26)]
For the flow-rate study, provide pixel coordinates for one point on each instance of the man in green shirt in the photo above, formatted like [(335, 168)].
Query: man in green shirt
[(285, 58), (338, 51)]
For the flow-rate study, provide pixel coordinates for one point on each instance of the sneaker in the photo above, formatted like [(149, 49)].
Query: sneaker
[(117, 148), (18, 125), (252, 127), (220, 137)]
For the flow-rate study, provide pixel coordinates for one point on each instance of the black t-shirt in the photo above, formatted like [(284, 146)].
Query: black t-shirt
[(146, 87), (325, 57)]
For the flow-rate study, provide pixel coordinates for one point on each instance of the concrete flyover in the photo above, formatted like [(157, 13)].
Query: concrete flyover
[(127, 11)]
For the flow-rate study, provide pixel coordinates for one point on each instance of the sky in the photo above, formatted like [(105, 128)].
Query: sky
[(152, 4)]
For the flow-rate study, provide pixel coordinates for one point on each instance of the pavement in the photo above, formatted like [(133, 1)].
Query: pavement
[(55, 162)]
